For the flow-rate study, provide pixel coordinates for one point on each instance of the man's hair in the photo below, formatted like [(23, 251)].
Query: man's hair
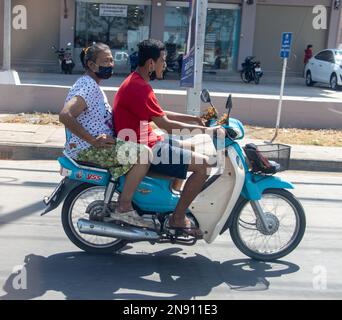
[(149, 49), (91, 53)]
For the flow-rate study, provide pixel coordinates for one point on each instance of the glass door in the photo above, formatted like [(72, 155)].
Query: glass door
[(221, 40), (119, 24)]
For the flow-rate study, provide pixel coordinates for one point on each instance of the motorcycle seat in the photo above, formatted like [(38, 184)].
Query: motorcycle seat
[(90, 164)]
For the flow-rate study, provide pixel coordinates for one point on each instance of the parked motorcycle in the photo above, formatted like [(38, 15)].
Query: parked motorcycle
[(65, 59), (265, 220), (251, 70)]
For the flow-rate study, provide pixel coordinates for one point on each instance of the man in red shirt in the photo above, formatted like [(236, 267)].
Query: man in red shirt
[(136, 106)]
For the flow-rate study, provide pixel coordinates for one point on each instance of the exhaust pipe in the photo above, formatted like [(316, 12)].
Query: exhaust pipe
[(116, 231)]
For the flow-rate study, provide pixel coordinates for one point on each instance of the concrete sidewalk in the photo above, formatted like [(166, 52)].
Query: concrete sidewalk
[(45, 142)]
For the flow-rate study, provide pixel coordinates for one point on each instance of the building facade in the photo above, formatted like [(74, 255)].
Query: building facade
[(234, 29)]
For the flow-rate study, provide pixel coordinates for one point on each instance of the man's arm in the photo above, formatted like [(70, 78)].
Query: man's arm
[(168, 125), (181, 117)]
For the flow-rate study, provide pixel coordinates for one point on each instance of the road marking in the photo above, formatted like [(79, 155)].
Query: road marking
[(333, 110)]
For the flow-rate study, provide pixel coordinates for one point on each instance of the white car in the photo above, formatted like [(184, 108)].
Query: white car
[(325, 67)]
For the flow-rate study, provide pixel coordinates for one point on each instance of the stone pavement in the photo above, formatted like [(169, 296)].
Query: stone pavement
[(45, 142)]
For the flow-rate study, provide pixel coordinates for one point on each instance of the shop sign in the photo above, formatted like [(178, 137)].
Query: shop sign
[(113, 10)]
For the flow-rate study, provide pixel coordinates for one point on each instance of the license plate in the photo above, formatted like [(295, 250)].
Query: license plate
[(257, 69), (69, 62), (47, 200)]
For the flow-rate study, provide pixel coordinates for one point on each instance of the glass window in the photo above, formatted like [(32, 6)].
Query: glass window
[(175, 33), (120, 26), (330, 57), (325, 55), (338, 57), (319, 56), (221, 40)]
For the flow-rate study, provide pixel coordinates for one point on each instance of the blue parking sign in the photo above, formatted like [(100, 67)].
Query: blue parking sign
[(284, 53), (286, 42)]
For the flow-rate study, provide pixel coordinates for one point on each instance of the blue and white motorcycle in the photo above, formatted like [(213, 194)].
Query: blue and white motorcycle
[(266, 222)]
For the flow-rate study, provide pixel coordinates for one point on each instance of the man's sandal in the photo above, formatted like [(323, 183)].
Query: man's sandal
[(190, 231)]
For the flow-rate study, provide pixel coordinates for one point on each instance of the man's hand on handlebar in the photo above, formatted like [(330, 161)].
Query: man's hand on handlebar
[(200, 121), (217, 131)]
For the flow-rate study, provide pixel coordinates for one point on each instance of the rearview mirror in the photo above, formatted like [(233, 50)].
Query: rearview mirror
[(205, 96), (229, 104)]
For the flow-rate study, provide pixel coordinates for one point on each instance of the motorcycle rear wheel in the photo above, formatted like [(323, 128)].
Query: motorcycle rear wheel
[(80, 198), (257, 244)]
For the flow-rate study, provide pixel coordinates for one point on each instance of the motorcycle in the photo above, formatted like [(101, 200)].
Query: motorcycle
[(66, 62), (251, 71), (266, 221)]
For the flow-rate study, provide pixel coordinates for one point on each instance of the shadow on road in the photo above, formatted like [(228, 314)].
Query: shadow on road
[(18, 214), (166, 274)]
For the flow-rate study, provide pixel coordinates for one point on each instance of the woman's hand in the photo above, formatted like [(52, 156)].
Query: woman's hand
[(103, 141)]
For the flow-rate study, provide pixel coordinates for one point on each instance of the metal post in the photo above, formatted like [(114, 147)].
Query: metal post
[(7, 35), (281, 98), (193, 94)]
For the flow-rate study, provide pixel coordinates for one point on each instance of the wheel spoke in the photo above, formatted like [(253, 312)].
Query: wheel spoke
[(278, 209), (78, 211)]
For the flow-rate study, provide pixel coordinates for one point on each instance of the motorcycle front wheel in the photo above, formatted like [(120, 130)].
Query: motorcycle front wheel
[(79, 204), (286, 216)]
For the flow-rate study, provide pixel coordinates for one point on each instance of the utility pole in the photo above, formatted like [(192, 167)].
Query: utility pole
[(7, 35), (286, 42), (193, 94)]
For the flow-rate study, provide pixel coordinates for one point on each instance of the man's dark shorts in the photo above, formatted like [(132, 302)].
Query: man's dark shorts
[(170, 159)]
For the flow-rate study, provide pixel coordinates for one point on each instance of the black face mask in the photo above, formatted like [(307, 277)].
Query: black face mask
[(105, 72), (153, 75)]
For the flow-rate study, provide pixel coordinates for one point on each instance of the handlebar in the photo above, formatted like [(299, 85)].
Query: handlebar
[(230, 132)]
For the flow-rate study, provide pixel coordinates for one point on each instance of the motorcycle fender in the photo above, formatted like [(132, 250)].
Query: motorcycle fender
[(256, 185), (66, 187)]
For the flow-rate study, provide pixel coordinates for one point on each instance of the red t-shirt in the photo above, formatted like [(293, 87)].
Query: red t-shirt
[(134, 106)]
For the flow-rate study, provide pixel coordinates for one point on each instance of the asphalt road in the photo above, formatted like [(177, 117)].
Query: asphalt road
[(51, 267)]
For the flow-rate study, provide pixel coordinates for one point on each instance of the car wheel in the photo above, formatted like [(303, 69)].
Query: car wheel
[(333, 82), (308, 79)]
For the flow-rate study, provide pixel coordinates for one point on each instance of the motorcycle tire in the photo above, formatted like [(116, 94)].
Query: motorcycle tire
[(295, 239), (243, 77), (72, 234)]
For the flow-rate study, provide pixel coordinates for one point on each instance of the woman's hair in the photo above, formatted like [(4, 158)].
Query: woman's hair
[(309, 46), (91, 53), (149, 49)]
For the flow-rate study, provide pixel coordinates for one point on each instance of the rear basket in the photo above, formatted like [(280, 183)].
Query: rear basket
[(268, 158)]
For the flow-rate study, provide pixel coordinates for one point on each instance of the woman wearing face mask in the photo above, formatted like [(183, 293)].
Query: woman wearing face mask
[(88, 120)]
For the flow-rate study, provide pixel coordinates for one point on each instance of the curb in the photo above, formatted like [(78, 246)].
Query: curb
[(34, 152), (29, 152)]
